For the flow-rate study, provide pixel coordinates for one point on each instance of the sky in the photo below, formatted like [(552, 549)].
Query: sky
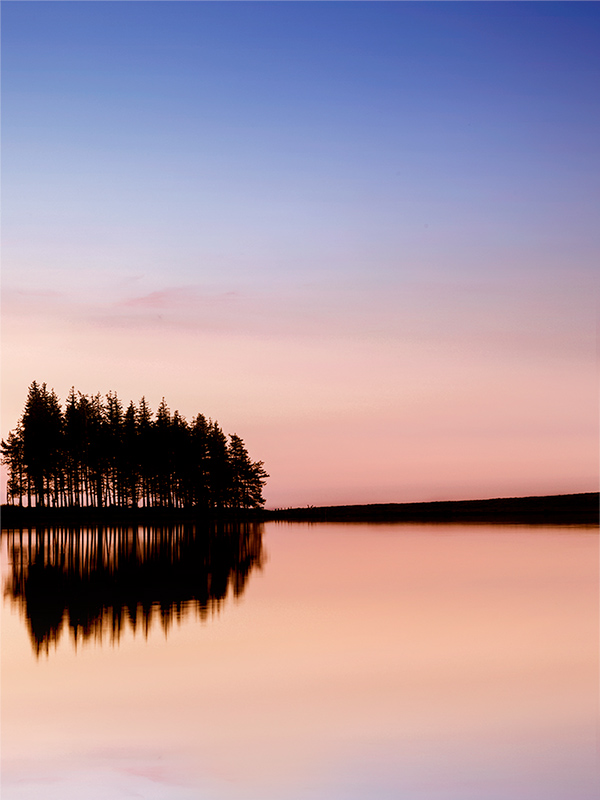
[(361, 235)]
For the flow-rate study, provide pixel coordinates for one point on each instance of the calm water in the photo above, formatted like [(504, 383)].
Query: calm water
[(301, 662)]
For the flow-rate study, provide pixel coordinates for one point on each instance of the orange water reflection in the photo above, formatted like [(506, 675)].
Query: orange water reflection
[(385, 661)]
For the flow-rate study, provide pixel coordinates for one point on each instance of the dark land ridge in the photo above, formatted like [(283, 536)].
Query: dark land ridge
[(563, 509), (560, 509), (13, 516)]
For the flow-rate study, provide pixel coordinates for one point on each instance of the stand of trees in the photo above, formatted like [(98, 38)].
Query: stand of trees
[(96, 453)]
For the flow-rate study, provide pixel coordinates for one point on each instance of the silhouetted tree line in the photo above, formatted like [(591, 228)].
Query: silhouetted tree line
[(97, 581), (96, 453)]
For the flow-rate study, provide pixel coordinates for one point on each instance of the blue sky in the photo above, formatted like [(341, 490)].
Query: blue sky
[(376, 175), (218, 129)]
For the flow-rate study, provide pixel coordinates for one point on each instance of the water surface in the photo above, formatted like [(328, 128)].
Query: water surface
[(298, 661)]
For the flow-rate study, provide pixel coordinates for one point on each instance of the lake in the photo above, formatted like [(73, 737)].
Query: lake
[(301, 662)]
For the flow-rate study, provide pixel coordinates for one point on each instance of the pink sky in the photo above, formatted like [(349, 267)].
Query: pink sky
[(440, 391), (375, 262)]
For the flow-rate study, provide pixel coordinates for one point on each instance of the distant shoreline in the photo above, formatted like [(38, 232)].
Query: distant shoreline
[(560, 509), (563, 509)]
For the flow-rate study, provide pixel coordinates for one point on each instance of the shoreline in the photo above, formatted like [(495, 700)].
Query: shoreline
[(561, 509)]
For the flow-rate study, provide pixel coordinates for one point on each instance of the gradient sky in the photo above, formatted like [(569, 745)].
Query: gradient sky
[(364, 236)]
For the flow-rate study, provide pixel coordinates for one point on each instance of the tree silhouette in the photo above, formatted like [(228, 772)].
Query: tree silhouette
[(247, 477), (18, 481), (41, 427), (95, 454)]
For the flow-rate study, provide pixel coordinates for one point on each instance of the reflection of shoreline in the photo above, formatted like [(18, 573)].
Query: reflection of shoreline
[(95, 580)]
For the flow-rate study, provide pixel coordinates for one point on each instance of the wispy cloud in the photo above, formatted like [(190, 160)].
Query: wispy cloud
[(470, 317), (163, 299), (38, 293), (177, 297)]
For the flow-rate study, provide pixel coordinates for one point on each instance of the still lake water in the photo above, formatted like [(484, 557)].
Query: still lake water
[(301, 662)]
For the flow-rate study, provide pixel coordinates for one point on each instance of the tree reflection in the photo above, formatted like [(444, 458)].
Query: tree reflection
[(96, 581)]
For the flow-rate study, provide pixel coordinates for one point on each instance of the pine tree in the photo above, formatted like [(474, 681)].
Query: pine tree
[(218, 467), (130, 460), (144, 428), (198, 467), (113, 441), (12, 456), (42, 432)]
